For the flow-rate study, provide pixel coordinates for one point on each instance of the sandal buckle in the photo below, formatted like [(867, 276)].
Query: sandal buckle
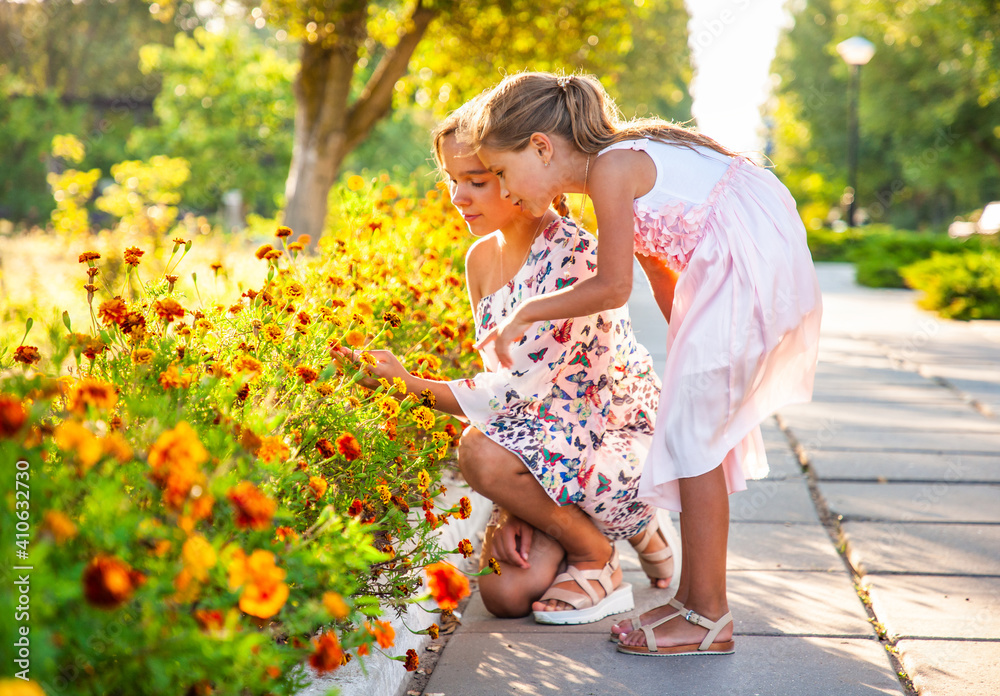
[(692, 617)]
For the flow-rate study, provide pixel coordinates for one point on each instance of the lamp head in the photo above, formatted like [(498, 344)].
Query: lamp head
[(856, 50)]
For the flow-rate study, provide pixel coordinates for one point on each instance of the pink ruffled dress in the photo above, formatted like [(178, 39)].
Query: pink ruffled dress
[(744, 328)]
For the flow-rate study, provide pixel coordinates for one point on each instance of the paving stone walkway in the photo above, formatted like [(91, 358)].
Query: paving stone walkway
[(888, 483)]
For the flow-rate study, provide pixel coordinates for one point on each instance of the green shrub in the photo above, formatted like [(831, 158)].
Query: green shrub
[(879, 255), (829, 245), (958, 286)]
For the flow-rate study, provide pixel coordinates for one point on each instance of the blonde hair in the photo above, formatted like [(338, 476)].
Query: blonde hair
[(575, 107), (451, 125)]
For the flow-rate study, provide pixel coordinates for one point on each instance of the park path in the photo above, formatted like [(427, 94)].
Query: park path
[(885, 490)]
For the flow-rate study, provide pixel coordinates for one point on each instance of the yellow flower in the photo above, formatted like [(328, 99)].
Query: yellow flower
[(355, 339), (142, 356), (245, 363), (19, 687), (318, 486), (424, 417), (175, 458), (355, 183), (70, 436), (295, 289), (198, 556), (423, 480), (390, 192), (272, 332), (390, 408), (384, 493)]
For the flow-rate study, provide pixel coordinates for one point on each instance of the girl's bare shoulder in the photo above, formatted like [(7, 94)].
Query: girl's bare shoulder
[(622, 171)]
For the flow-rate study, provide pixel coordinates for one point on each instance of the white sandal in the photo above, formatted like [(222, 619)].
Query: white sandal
[(708, 646), (657, 565), (588, 607)]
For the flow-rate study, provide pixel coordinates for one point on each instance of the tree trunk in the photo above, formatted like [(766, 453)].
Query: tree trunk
[(327, 127)]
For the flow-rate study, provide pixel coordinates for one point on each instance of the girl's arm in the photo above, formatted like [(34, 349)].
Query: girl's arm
[(613, 182), (387, 366), (662, 280)]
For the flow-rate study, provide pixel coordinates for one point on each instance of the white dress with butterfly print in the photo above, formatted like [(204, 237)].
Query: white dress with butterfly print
[(579, 403)]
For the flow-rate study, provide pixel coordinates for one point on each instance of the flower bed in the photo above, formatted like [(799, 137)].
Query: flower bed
[(213, 500)]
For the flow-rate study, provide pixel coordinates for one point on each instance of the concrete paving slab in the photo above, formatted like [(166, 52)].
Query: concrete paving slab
[(899, 547), (951, 667), (783, 464), (908, 466), (914, 502), (771, 500), (955, 417), (833, 435), (888, 394), (761, 546), (499, 664), (924, 606), (835, 376)]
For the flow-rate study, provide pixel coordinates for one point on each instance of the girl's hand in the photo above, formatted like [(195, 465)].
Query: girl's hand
[(512, 542), (504, 337), (387, 366)]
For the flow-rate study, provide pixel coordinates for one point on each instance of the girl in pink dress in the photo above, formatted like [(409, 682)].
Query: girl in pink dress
[(725, 252)]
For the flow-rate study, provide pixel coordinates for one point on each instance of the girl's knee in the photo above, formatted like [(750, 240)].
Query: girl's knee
[(505, 600), (484, 463)]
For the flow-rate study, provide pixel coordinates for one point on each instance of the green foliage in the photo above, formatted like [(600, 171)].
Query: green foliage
[(145, 195), (828, 245), (226, 106), (958, 286), (881, 253), (929, 107), (72, 189)]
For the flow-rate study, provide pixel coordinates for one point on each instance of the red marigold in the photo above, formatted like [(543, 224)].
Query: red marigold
[(329, 655), (168, 309), (283, 232), (112, 311), (89, 256), (464, 508), (326, 448), (27, 355), (465, 548), (447, 585), (356, 507), (253, 508), (132, 255), (12, 415), (109, 582), (348, 446), (306, 373), (412, 661)]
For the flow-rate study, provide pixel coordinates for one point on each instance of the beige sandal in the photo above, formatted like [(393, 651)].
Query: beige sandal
[(657, 565), (636, 619), (708, 646), (588, 607)]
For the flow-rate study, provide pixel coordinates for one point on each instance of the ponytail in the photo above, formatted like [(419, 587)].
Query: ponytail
[(561, 205)]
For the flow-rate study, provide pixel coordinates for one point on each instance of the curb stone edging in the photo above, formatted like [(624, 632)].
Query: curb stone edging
[(387, 677)]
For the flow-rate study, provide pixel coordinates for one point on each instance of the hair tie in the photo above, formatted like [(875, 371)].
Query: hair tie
[(563, 81)]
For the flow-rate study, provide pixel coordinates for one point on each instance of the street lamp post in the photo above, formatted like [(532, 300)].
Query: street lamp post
[(856, 51)]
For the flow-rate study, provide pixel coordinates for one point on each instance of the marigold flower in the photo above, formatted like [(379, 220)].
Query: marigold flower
[(495, 566), (253, 508), (383, 632), (355, 339), (116, 446), (91, 392), (306, 373), (94, 348), (264, 590), (295, 289), (179, 241), (356, 507), (434, 631), (384, 493), (263, 251), (109, 582), (210, 620), (318, 485), (283, 232), (175, 458), (392, 319), (423, 480), (329, 655), (168, 309), (348, 446), (274, 254), (132, 256), (428, 399), (464, 507), (245, 363), (355, 183), (390, 192), (272, 332), (447, 585), (142, 356), (172, 379), (88, 256), (12, 415), (412, 660), (216, 267), (447, 331), (71, 436), (465, 548), (59, 526), (112, 311), (336, 605), (27, 355), (134, 326), (198, 555), (390, 408), (423, 417), (273, 448)]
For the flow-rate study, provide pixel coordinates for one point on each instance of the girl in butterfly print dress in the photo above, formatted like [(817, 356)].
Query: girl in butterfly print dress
[(725, 252), (569, 423)]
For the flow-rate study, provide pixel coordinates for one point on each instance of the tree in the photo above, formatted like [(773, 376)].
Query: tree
[(358, 57), (929, 109)]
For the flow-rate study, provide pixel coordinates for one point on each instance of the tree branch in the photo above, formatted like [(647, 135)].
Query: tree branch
[(376, 98)]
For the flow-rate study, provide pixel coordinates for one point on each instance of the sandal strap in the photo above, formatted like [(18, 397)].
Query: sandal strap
[(647, 629), (714, 627), (654, 562), (582, 578)]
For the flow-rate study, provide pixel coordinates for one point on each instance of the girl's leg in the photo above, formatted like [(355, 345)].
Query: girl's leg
[(501, 476), (511, 594), (704, 538)]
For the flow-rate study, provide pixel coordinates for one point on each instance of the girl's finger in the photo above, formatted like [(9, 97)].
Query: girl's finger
[(491, 336)]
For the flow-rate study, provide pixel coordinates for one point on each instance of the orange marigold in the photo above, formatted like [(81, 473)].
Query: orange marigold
[(142, 356), (132, 256), (168, 309), (283, 232), (27, 355), (253, 508), (112, 311), (245, 363), (273, 448), (348, 446), (109, 582), (264, 590), (464, 508), (306, 373), (175, 458), (412, 660), (59, 526), (465, 547), (326, 448), (262, 251), (89, 256), (91, 392), (336, 605), (355, 339), (447, 585), (285, 534), (329, 655), (12, 415), (383, 632), (318, 486)]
